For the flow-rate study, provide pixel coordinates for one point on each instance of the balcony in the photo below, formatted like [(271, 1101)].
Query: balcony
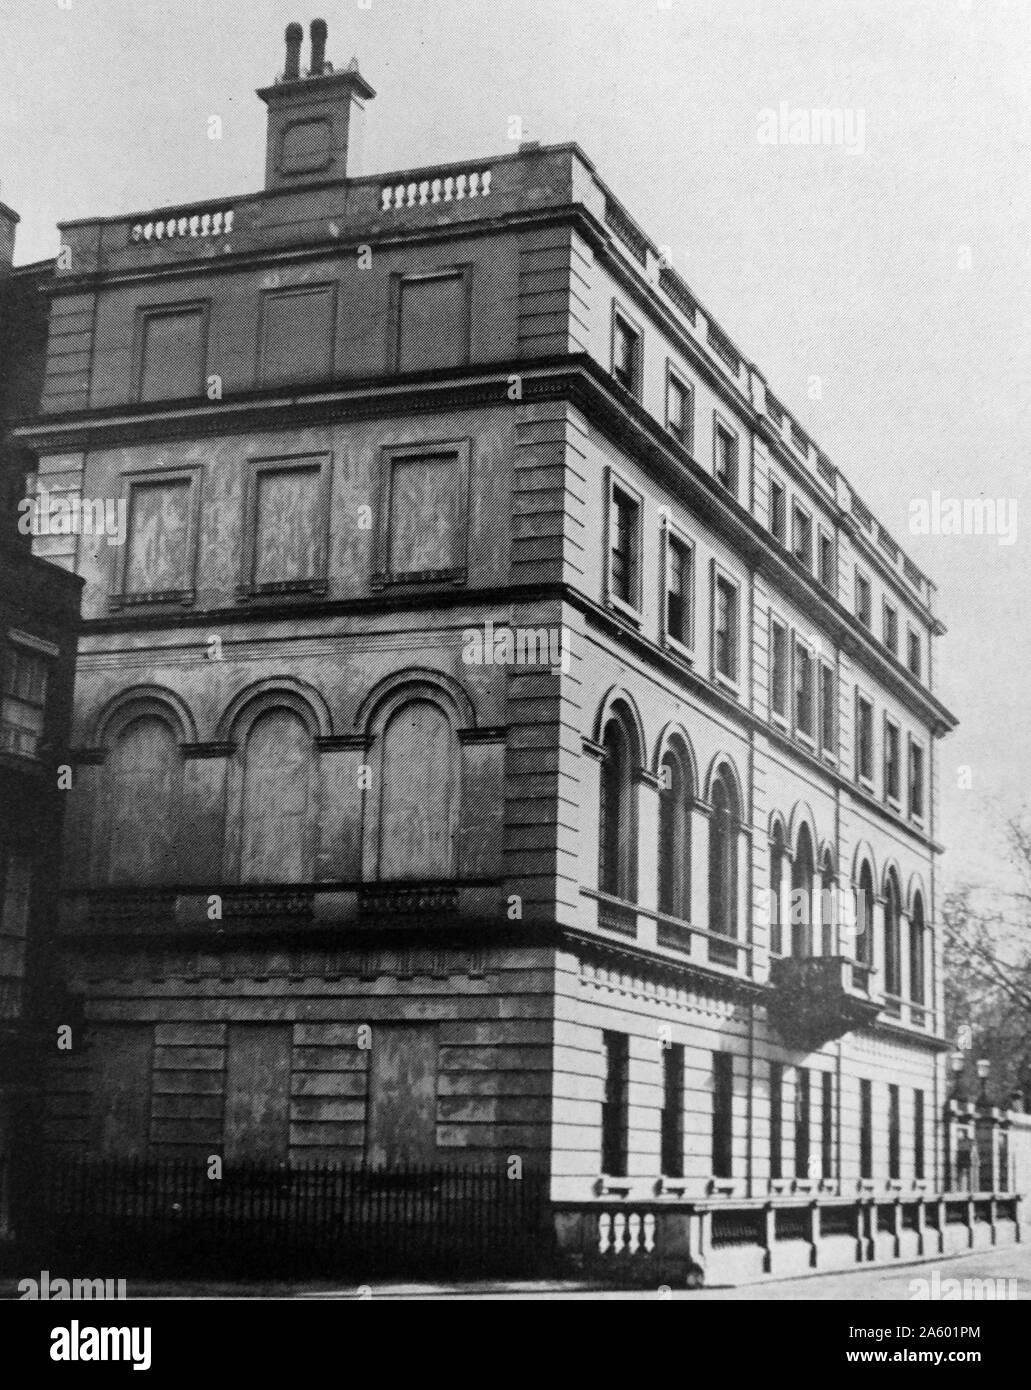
[(816, 999)]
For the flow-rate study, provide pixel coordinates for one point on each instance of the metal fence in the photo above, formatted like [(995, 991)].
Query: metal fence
[(168, 1217)]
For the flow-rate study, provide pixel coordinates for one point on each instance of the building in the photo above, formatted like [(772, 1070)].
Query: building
[(503, 732), (39, 606)]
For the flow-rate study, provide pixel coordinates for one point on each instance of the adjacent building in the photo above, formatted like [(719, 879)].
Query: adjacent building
[(500, 730), (39, 606)]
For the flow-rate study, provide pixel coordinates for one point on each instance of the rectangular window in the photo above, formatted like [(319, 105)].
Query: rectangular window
[(802, 536), (803, 1121), (424, 514), (828, 575), (891, 760), (828, 709), (913, 652), (863, 608), (615, 1108), (626, 353), (287, 516), (865, 1129), (725, 628), (891, 628), (916, 779), (171, 352), (432, 320), (777, 510), (673, 1111), (918, 1135), (722, 1114), (625, 546), (778, 668), (864, 739), (725, 461), (158, 556), (679, 590), (297, 334), (22, 714), (894, 1165), (679, 409), (804, 690), (15, 889), (776, 1119), (827, 1124)]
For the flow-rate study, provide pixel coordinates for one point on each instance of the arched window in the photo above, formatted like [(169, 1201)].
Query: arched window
[(146, 779), (674, 837), (892, 934), (916, 951), (864, 900), (802, 895), (277, 768), (617, 864), (778, 851), (828, 905), (723, 867), (418, 793)]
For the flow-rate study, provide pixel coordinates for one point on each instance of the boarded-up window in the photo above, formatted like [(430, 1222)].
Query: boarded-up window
[(145, 790), (172, 354), (427, 514), (297, 334), (418, 794), (289, 526), (433, 327), (121, 1058), (158, 559), (257, 1113), (15, 885), (402, 1104), (276, 778)]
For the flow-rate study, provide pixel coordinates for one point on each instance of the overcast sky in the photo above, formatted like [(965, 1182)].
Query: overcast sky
[(898, 275)]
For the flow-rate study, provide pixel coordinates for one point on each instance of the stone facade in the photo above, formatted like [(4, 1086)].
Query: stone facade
[(452, 518)]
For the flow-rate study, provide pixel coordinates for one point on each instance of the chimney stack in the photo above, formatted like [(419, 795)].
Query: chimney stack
[(9, 220), (314, 121), (319, 34), (294, 38)]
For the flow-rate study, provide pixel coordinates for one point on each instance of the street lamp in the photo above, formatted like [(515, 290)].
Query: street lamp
[(957, 1062), (984, 1066)]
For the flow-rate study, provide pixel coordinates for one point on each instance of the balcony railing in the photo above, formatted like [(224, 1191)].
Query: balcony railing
[(862, 974), (816, 1000)]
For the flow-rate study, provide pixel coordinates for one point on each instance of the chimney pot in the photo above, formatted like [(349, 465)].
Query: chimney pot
[(294, 38), (319, 33)]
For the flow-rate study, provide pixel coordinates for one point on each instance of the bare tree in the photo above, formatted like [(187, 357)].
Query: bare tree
[(988, 970)]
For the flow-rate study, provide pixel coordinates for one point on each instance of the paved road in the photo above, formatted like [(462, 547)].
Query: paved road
[(897, 1283)]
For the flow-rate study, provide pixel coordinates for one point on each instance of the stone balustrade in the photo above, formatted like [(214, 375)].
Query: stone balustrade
[(435, 188), (695, 1242), (176, 225)]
